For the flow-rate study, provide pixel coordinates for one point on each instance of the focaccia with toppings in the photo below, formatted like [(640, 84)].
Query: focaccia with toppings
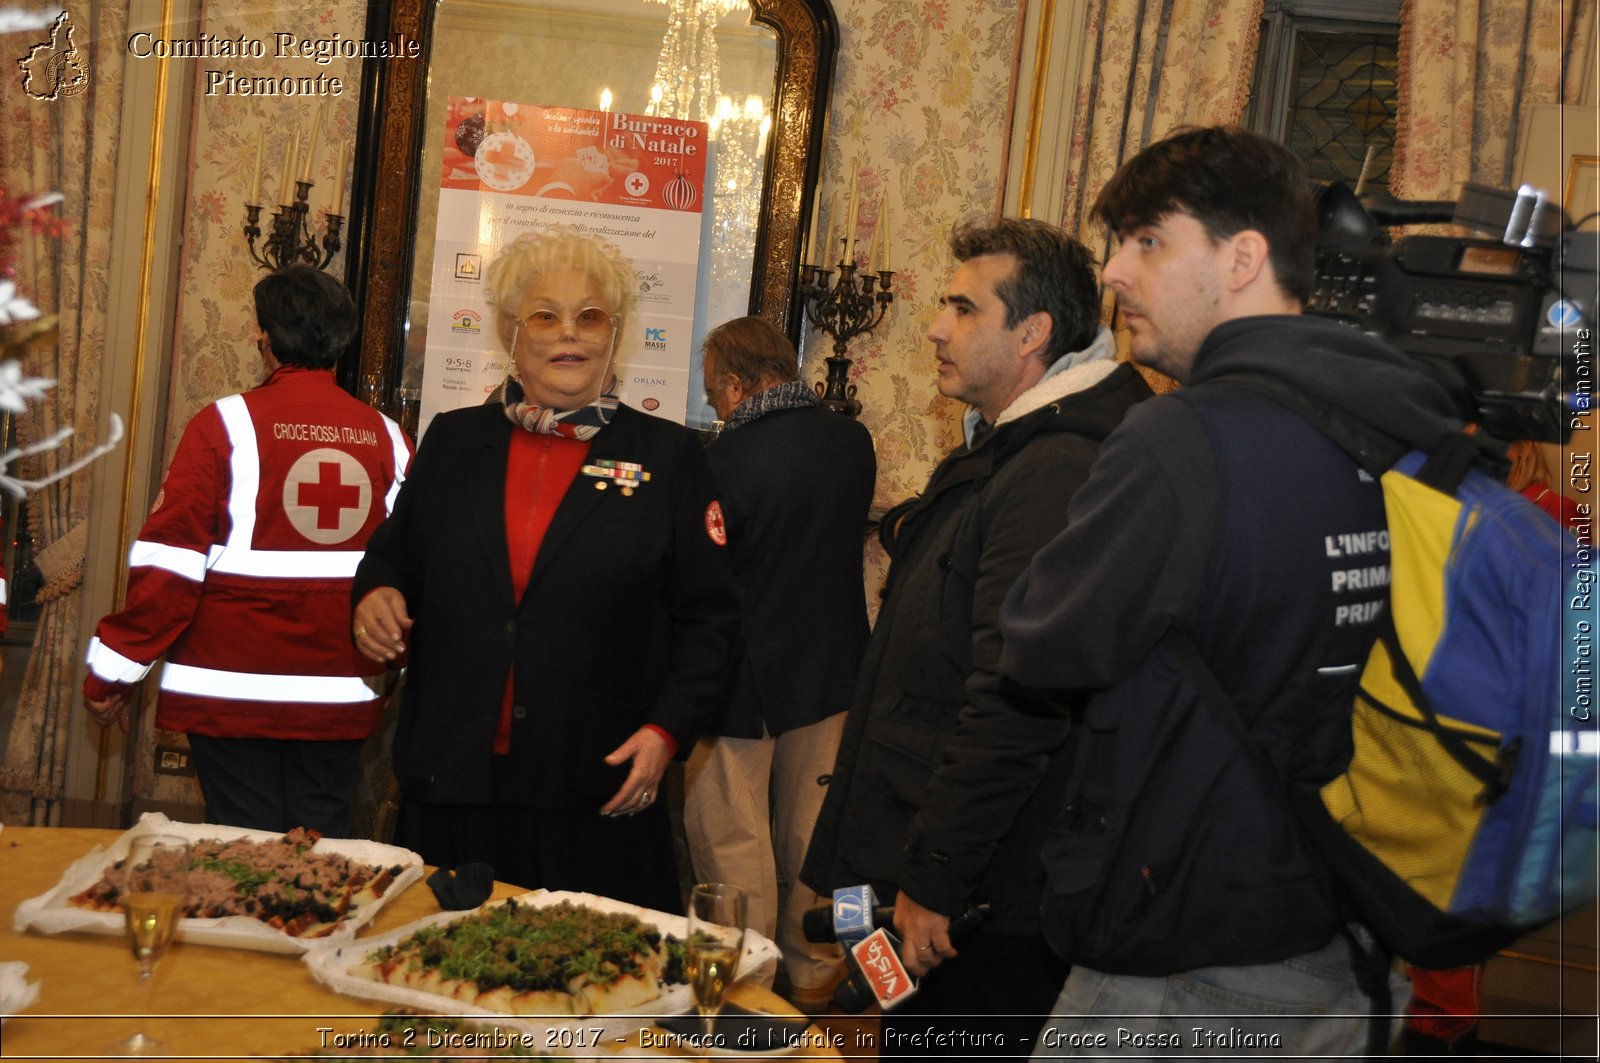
[(523, 959)]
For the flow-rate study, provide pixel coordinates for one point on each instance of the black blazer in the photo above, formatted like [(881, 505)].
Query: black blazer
[(629, 618), (796, 486)]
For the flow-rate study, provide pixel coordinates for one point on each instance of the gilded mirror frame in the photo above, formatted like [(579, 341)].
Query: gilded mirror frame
[(389, 154)]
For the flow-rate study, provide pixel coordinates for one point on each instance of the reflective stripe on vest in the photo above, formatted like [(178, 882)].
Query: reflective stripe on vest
[(113, 667), (397, 440), (256, 686), (236, 555), (190, 564)]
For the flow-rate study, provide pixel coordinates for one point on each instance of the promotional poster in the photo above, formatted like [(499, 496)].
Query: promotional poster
[(635, 180)]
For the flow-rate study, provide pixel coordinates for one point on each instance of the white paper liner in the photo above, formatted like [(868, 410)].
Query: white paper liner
[(50, 913), (16, 992), (330, 964)]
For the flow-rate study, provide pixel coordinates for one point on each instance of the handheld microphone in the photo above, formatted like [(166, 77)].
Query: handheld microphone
[(877, 974), (851, 917)]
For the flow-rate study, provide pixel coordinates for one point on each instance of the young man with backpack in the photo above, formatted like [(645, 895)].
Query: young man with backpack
[(1217, 524)]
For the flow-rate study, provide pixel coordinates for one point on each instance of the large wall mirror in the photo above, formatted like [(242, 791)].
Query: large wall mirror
[(773, 61)]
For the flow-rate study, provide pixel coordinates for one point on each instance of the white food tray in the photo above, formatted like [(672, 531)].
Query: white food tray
[(16, 992), (330, 964), (50, 913)]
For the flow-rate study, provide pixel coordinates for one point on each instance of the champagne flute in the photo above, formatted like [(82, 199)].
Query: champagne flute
[(716, 939), (154, 890)]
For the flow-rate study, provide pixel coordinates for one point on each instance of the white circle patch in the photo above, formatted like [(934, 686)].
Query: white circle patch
[(327, 495)]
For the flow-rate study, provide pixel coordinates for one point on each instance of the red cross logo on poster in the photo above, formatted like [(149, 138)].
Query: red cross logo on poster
[(327, 496)]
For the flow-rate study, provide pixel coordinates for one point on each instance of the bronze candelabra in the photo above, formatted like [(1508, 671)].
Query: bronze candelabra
[(844, 311), (291, 239)]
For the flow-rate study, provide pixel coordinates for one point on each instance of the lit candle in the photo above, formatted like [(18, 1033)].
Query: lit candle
[(286, 189), (338, 188), (850, 217), (255, 183), (766, 127), (888, 235), (875, 248), (828, 250), (605, 99), (818, 258), (311, 144)]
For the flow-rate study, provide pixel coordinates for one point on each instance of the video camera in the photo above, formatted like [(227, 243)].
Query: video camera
[(1496, 320)]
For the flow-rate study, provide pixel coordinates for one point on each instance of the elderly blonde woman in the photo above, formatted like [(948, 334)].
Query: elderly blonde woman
[(554, 577)]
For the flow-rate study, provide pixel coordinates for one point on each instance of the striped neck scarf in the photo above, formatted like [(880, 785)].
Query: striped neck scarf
[(581, 423)]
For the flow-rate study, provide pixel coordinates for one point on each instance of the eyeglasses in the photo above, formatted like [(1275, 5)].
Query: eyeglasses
[(592, 323)]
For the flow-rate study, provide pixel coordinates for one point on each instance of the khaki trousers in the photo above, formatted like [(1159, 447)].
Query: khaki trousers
[(749, 807)]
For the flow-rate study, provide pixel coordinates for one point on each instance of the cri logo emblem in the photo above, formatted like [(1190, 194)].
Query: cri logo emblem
[(55, 68)]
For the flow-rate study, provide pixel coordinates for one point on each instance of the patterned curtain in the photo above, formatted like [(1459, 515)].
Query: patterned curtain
[(1152, 66), (69, 145), (1469, 72)]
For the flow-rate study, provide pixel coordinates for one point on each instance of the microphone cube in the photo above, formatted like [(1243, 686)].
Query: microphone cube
[(878, 957), (852, 913)]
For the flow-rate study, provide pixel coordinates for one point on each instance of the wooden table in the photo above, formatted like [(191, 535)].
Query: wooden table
[(210, 1002)]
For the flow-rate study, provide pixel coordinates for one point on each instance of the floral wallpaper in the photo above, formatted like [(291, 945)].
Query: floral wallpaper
[(921, 110), (214, 353), (922, 107)]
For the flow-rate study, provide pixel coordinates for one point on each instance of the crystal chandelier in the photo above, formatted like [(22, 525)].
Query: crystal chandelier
[(686, 71), (688, 85), (741, 139)]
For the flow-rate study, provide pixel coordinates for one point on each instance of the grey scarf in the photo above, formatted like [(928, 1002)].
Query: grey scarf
[(792, 395)]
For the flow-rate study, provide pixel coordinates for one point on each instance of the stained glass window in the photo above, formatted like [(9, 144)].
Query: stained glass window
[(1326, 86)]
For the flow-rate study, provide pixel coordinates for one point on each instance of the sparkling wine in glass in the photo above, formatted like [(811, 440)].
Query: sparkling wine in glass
[(716, 940), (155, 887)]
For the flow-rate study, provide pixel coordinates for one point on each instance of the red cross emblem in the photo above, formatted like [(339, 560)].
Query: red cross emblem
[(714, 525), (327, 496)]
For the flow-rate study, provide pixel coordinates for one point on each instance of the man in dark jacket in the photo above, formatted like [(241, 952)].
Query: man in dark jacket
[(1178, 886), (795, 481), (909, 810)]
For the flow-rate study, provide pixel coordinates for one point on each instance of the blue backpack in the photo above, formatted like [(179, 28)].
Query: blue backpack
[(1468, 813)]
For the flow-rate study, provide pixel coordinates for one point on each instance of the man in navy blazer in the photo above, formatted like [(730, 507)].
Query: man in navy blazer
[(795, 481)]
